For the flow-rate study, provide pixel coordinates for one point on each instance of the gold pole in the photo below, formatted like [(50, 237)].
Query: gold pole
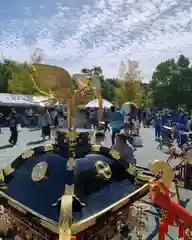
[(66, 211), (69, 113), (100, 104), (74, 103)]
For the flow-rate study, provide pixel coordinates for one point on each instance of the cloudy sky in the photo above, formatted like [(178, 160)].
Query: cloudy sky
[(86, 33)]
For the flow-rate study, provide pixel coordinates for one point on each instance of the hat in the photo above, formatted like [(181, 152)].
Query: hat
[(101, 126)]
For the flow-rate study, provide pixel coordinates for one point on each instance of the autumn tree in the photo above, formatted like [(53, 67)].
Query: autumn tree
[(129, 89)]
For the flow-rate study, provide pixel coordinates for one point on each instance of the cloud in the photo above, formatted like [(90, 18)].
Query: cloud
[(99, 34)]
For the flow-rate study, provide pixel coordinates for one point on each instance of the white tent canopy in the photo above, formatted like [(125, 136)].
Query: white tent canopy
[(94, 104), (7, 99)]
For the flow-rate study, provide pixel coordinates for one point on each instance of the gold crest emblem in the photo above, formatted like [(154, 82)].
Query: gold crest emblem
[(70, 164), (27, 154), (103, 170), (39, 171), (95, 148), (115, 154), (48, 148)]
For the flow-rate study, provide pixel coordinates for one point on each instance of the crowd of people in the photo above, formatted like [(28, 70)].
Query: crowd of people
[(47, 119), (120, 125)]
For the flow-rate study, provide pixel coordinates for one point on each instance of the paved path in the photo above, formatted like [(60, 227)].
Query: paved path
[(29, 138), (144, 155)]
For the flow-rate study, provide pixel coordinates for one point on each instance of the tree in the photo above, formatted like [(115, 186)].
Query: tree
[(108, 89), (107, 86), (147, 97), (5, 75), (96, 71), (13, 77), (171, 83), (129, 89), (20, 81)]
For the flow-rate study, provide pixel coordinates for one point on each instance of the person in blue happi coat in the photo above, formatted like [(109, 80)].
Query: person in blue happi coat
[(116, 120), (158, 125)]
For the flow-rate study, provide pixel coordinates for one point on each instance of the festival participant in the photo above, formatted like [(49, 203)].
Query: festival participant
[(129, 111), (99, 138), (125, 149), (1, 121), (13, 124), (144, 116), (137, 126), (116, 120), (188, 124), (165, 117), (62, 120), (158, 124), (54, 117), (87, 123), (45, 123)]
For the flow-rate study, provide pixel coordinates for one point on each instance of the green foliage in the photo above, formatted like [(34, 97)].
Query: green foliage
[(147, 97), (172, 83), (6, 71), (74, 84), (108, 89), (96, 71), (20, 81), (107, 85), (15, 78)]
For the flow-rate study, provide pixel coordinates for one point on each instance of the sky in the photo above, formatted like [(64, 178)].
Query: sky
[(75, 34)]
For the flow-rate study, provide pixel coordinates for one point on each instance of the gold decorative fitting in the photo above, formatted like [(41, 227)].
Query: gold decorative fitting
[(65, 217), (95, 148), (27, 154), (115, 154), (69, 189), (8, 170), (39, 171), (132, 170), (143, 177), (1, 175), (189, 162), (72, 134), (103, 170), (166, 171), (77, 199), (70, 164), (16, 206), (48, 148)]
